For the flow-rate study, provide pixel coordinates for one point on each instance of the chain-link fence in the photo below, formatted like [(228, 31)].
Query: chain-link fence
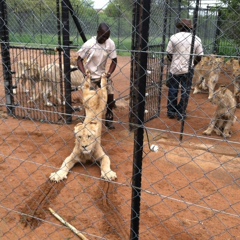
[(175, 179)]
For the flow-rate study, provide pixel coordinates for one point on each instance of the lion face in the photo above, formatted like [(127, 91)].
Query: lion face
[(221, 96), (86, 136), (28, 70), (224, 98)]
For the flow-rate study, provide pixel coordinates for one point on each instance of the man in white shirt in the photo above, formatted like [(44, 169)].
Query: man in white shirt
[(178, 53), (93, 56)]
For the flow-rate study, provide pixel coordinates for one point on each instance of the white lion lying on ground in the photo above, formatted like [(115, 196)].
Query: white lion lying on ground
[(51, 83), (88, 135), (224, 116)]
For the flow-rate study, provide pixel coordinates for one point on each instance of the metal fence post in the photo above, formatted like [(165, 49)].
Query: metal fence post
[(218, 32), (140, 43), (6, 62), (195, 19), (66, 60)]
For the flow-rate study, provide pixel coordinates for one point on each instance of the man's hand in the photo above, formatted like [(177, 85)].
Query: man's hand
[(108, 75)]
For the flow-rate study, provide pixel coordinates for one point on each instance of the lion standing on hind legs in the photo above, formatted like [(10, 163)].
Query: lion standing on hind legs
[(88, 134)]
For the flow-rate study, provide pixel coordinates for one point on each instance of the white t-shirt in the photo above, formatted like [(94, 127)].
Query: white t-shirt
[(180, 47), (96, 55)]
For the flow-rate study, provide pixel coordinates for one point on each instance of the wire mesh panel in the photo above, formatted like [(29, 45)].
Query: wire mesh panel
[(155, 77), (33, 83)]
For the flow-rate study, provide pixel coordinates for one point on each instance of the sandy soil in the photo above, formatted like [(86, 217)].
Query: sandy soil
[(190, 187)]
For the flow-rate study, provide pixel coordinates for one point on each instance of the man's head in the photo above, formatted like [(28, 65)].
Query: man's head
[(103, 33), (184, 24)]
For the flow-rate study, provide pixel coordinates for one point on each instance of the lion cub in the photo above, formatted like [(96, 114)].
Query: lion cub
[(88, 134), (207, 73), (224, 116)]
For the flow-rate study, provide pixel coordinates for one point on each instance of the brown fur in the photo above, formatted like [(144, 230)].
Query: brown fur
[(206, 74), (234, 65), (224, 116)]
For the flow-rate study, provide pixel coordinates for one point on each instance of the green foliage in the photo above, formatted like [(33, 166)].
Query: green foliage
[(230, 20), (119, 8), (49, 5)]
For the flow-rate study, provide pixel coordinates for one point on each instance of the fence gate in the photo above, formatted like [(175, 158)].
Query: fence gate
[(156, 74), (28, 94), (28, 88)]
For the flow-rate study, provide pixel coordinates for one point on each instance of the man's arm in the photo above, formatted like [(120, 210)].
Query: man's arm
[(112, 67), (197, 60), (169, 56), (81, 66)]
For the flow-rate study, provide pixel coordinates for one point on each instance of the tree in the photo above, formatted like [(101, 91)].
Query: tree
[(119, 7), (230, 20)]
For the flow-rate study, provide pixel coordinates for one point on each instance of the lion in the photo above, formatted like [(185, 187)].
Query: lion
[(206, 74), (88, 134), (94, 101), (27, 75), (87, 147), (233, 65), (224, 116), (50, 78)]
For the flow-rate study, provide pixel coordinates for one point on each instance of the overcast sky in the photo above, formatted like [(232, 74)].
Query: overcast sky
[(103, 3), (100, 3)]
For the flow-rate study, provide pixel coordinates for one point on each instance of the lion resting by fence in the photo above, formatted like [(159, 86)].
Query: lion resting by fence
[(27, 76), (49, 79), (224, 116), (88, 135)]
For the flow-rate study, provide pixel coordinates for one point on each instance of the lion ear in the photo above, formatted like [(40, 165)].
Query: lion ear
[(76, 128), (223, 88)]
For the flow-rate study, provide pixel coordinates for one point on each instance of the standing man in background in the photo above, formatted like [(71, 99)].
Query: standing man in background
[(178, 53), (93, 56)]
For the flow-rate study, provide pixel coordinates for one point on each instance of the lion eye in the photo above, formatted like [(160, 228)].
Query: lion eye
[(89, 136)]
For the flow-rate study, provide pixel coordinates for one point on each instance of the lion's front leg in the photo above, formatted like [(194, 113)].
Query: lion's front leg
[(210, 127), (67, 164), (106, 171), (227, 132), (219, 126), (105, 163)]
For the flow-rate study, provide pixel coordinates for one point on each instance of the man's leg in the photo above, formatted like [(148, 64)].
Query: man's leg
[(110, 106), (186, 83), (172, 97)]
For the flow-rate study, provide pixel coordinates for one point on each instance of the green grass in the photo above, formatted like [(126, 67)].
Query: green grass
[(34, 40), (226, 47)]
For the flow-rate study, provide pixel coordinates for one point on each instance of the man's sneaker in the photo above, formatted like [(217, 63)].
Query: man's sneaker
[(171, 116), (181, 117)]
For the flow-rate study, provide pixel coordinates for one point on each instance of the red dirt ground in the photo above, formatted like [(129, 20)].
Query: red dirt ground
[(190, 187)]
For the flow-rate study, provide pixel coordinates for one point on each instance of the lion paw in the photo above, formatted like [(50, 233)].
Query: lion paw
[(218, 132), (196, 90), (206, 132), (58, 176), (227, 134), (49, 104), (110, 175)]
